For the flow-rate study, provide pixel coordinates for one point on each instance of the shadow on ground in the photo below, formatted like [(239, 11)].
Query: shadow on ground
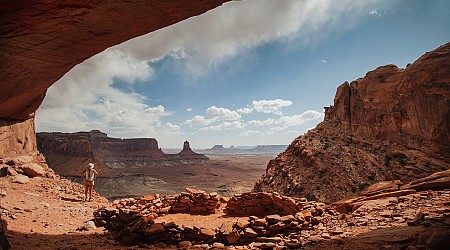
[(397, 238)]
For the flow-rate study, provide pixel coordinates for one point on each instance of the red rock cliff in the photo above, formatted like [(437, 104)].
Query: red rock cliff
[(67, 153), (398, 104), (42, 40), (392, 124)]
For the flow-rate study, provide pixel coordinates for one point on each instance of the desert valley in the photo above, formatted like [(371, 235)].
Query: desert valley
[(373, 174)]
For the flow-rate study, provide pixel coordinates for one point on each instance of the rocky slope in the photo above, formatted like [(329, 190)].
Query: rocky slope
[(392, 124), (67, 153)]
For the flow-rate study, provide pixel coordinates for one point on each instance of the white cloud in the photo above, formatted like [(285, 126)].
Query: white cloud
[(274, 130), (214, 114), (266, 106), (198, 120), (218, 114), (224, 126), (296, 120), (155, 110), (189, 110), (87, 98), (171, 127), (374, 13), (323, 61), (249, 133), (206, 41), (258, 123)]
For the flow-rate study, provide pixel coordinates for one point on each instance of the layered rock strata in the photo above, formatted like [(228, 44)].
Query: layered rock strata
[(392, 124), (66, 153)]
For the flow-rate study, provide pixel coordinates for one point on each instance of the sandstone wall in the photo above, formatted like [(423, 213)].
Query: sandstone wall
[(399, 104), (17, 138), (60, 143)]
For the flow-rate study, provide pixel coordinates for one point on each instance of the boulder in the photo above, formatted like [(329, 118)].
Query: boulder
[(20, 178), (155, 229), (233, 237), (380, 187), (23, 159), (33, 169)]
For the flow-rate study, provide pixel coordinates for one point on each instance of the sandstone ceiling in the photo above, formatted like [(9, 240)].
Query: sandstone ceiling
[(42, 40)]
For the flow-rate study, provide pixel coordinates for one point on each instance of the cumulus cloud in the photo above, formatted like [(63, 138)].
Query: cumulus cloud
[(171, 127), (272, 125), (274, 130), (259, 123), (266, 106), (189, 110), (249, 133), (214, 114), (224, 126), (323, 61), (296, 120), (155, 110), (88, 99)]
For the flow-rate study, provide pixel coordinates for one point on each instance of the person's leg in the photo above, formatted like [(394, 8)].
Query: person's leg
[(90, 192), (86, 187)]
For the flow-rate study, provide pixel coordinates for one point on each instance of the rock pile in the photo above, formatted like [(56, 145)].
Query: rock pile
[(274, 220), (26, 166), (131, 227), (132, 220), (191, 201), (253, 203)]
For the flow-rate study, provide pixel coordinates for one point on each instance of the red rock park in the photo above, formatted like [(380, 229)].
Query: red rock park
[(374, 174)]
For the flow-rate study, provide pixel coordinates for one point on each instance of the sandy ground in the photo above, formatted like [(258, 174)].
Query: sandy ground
[(224, 175)]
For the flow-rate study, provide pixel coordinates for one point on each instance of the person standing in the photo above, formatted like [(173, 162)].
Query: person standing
[(89, 175)]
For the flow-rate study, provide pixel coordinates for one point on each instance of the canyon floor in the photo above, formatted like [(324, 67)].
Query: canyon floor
[(226, 175)]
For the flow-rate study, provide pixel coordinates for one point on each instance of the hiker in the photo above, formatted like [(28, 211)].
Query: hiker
[(89, 175)]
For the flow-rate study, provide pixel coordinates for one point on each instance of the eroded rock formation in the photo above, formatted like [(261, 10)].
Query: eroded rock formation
[(67, 153), (392, 124), (42, 40), (187, 152)]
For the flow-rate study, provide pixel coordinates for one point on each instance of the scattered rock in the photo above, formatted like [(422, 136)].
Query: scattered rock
[(185, 244), (33, 169), (20, 178), (218, 245)]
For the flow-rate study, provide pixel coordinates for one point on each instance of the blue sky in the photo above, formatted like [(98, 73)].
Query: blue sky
[(247, 73)]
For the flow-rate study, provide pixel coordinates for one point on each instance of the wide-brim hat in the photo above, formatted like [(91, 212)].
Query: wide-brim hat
[(91, 165)]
